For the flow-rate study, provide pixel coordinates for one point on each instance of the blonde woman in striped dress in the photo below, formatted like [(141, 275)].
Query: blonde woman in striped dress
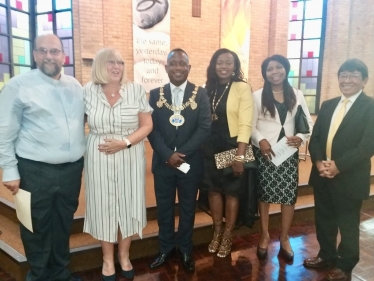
[(119, 118)]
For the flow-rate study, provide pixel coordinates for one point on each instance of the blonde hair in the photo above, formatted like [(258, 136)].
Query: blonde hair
[(99, 74)]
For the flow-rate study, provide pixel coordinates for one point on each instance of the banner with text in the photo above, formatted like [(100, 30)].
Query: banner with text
[(151, 42), (235, 29)]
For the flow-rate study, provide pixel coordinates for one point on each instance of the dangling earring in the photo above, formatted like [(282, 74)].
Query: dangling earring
[(233, 74)]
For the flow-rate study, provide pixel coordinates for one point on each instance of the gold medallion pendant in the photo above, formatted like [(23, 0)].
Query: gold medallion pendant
[(215, 104), (176, 120)]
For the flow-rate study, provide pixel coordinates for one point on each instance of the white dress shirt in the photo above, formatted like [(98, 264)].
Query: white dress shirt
[(41, 119), (177, 101)]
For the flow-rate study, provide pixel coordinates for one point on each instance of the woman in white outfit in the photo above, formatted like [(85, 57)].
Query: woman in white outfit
[(274, 118), (119, 118)]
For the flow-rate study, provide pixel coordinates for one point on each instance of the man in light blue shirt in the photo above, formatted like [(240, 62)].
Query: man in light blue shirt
[(41, 147)]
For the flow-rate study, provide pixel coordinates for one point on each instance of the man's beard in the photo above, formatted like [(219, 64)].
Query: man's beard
[(51, 72)]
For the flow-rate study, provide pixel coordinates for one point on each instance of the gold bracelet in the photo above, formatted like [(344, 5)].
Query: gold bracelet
[(239, 158)]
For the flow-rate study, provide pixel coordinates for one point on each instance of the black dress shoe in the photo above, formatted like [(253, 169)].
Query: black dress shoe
[(338, 275), (262, 253), (75, 278), (161, 259), (317, 262), (187, 262), (108, 278), (128, 274), (287, 255)]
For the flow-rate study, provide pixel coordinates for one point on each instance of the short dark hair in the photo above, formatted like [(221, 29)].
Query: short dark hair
[(177, 50), (355, 65), (211, 75)]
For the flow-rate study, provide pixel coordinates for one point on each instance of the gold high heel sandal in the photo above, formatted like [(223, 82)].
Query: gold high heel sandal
[(225, 247), (216, 242)]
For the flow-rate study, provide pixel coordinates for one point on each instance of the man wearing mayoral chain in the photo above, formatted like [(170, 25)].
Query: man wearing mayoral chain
[(181, 124)]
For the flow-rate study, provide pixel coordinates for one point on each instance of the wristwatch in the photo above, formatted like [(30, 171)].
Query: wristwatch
[(128, 143)]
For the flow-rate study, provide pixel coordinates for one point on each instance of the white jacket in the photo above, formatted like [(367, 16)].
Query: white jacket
[(266, 127)]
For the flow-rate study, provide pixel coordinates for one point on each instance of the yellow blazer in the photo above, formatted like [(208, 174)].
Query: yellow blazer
[(239, 111)]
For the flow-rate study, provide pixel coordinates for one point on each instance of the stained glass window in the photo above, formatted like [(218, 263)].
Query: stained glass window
[(20, 24), (68, 50), (63, 4), (63, 24), (4, 74), (15, 39), (69, 70), (3, 21), (44, 24), (312, 29), (4, 49), (305, 35), (50, 17), (22, 5), (44, 6), (21, 51)]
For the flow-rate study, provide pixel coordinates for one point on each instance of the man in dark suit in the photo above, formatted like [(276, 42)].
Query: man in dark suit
[(181, 123), (341, 146)]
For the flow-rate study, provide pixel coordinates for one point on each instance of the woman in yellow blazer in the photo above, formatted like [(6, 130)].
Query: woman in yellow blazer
[(232, 109)]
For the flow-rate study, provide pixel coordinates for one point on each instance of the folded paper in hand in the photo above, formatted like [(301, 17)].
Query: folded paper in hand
[(22, 200), (185, 167)]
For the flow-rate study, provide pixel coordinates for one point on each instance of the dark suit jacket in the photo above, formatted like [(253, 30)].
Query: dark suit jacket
[(352, 147), (187, 139)]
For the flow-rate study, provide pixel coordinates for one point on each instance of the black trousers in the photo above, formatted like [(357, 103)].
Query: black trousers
[(165, 190), (333, 212), (54, 200)]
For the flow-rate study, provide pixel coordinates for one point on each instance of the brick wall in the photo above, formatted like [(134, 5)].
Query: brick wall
[(108, 23), (349, 34)]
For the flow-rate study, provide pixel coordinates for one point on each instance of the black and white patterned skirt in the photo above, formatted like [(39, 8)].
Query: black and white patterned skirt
[(277, 185)]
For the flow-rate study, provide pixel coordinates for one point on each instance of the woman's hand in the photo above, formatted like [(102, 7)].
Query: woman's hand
[(294, 141), (238, 168), (112, 146), (266, 150)]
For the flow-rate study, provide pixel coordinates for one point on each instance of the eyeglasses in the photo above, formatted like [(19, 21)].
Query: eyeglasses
[(345, 76), (113, 62), (44, 51)]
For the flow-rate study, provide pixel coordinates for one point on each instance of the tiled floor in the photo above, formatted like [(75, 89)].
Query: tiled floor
[(244, 265)]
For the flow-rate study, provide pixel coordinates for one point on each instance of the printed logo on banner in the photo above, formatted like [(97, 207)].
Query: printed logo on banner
[(151, 41)]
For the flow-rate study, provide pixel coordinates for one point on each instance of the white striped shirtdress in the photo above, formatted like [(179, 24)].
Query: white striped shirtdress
[(115, 183)]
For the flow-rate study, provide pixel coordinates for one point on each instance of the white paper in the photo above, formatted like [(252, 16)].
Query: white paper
[(22, 200), (282, 151), (184, 168)]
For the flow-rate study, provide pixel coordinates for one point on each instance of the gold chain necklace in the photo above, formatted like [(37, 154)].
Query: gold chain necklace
[(177, 119), (277, 92), (191, 101), (214, 106)]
